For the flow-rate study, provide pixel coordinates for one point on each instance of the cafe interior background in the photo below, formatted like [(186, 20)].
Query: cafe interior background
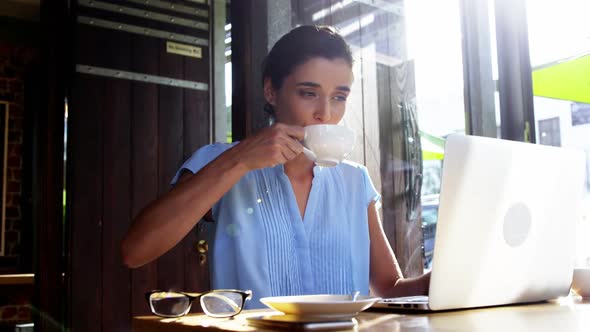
[(102, 100)]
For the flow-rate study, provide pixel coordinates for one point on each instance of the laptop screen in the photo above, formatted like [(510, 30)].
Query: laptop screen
[(506, 223)]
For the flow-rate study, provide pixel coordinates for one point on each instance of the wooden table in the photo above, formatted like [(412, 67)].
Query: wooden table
[(567, 314)]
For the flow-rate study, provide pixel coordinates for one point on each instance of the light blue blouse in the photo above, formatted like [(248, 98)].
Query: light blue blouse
[(261, 243)]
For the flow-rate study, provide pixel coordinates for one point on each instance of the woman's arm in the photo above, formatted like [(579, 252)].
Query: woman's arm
[(165, 222), (386, 276)]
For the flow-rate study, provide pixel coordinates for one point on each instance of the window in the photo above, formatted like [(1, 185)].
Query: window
[(549, 133), (406, 98), (422, 70), (580, 114), (562, 120)]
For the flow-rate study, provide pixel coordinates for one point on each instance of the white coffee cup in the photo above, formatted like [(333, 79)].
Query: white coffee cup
[(327, 144), (581, 281)]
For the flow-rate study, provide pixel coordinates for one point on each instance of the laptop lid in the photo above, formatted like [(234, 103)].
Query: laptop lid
[(506, 223)]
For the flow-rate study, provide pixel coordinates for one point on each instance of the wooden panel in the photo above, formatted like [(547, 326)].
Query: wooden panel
[(407, 232), (85, 170), (116, 203), (148, 22), (386, 151), (196, 105), (116, 188), (170, 142), (393, 84), (241, 60), (48, 179), (107, 61), (144, 152), (396, 203), (196, 129), (48, 166), (141, 133), (514, 67), (91, 41), (85, 192)]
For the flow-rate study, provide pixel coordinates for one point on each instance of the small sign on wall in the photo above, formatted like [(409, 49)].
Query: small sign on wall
[(184, 49)]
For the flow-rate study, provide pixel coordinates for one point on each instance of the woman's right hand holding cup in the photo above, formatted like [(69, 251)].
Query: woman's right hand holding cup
[(271, 146)]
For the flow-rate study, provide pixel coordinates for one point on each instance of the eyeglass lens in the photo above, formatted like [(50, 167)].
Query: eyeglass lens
[(216, 304), (169, 303), (222, 304)]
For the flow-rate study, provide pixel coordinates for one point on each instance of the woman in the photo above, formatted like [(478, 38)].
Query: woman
[(282, 225)]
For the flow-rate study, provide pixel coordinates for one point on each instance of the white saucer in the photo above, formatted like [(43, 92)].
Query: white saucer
[(319, 305)]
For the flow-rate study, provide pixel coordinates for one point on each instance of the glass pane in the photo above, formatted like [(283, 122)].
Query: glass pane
[(222, 63), (228, 81), (169, 303), (221, 303), (407, 96), (439, 96), (562, 120)]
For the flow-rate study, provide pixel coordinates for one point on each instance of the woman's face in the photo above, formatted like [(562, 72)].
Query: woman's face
[(314, 93)]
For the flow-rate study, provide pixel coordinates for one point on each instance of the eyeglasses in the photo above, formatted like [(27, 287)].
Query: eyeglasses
[(215, 303)]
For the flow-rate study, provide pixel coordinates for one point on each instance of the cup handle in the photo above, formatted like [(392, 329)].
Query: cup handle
[(309, 154)]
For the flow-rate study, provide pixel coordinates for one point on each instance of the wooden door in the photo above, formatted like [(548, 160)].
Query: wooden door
[(139, 106)]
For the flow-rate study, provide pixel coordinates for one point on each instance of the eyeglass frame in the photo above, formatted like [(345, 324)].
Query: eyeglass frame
[(246, 295)]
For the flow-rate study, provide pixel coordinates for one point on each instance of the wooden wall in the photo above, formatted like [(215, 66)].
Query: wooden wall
[(126, 139), (47, 165)]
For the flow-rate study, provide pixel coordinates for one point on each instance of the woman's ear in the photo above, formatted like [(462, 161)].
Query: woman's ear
[(269, 91)]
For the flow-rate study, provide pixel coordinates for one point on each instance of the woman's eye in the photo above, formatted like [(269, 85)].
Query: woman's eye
[(340, 98), (307, 94)]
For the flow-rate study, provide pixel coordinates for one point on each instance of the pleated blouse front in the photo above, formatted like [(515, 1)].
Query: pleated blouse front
[(260, 241)]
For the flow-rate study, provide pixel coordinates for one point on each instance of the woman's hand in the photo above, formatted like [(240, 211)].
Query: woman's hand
[(166, 221), (274, 145)]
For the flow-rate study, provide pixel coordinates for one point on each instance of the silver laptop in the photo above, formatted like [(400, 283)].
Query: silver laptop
[(506, 225)]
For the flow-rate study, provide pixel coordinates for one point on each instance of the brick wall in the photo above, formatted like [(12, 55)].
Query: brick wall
[(14, 63), (15, 304)]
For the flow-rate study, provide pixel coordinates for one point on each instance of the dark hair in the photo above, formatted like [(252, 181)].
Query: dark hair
[(298, 46)]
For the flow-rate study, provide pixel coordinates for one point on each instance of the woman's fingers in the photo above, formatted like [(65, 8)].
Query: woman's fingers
[(274, 145), (290, 151), (292, 144), (296, 132)]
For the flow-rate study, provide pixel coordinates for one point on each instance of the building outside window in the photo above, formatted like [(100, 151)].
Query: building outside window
[(549, 132), (563, 120)]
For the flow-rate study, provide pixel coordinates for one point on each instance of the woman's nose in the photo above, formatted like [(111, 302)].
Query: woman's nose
[(323, 112)]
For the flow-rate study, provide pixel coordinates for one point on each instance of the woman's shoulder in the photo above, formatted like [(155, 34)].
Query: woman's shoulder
[(201, 157), (352, 167), (207, 153), (349, 170), (215, 147), (210, 151), (357, 176)]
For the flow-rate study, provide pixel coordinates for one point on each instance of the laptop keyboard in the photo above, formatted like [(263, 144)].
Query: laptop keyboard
[(411, 299)]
